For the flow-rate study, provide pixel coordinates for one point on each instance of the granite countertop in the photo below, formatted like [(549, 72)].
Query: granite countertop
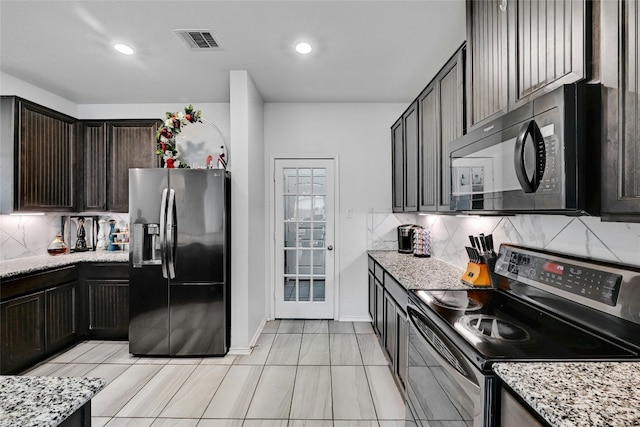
[(419, 273), (18, 266), (572, 394), (43, 401)]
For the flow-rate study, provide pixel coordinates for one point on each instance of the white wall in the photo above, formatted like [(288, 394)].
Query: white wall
[(358, 135), (247, 212), (10, 85)]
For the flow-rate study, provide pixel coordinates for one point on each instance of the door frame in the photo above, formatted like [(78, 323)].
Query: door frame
[(271, 236)]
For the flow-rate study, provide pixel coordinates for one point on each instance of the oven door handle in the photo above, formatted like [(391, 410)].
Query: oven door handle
[(530, 185), (421, 323)]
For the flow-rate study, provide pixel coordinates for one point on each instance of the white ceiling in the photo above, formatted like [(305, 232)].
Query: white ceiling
[(364, 51)]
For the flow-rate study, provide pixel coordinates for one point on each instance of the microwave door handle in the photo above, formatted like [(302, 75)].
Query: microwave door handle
[(530, 128), (163, 234)]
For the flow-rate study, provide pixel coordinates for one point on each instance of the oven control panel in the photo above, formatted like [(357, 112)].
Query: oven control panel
[(598, 285)]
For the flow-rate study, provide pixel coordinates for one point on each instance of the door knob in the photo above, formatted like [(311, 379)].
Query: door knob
[(330, 247)]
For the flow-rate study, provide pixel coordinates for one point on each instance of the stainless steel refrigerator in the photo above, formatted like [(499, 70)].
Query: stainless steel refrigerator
[(179, 262)]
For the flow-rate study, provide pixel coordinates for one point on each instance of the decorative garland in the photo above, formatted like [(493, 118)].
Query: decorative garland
[(166, 136)]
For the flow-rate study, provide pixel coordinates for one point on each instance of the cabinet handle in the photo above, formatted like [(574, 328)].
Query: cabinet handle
[(503, 5)]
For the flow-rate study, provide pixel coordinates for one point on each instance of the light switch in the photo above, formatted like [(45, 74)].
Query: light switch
[(349, 213)]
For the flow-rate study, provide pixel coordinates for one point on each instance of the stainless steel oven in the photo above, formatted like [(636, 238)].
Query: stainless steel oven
[(441, 383), (548, 307), (543, 156)]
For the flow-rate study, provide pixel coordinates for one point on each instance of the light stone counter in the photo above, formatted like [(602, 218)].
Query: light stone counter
[(19, 266), (578, 394), (43, 401), (419, 273)]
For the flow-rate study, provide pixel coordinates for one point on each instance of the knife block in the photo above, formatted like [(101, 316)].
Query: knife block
[(476, 275)]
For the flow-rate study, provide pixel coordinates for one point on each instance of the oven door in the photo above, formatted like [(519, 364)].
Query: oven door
[(441, 384)]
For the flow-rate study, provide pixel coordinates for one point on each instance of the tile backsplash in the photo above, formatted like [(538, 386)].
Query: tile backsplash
[(582, 236), (27, 235)]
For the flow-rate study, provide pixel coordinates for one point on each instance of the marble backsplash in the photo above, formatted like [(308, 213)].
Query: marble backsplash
[(582, 236), (28, 235)]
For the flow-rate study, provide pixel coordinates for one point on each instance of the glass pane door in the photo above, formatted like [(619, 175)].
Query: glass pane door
[(304, 223)]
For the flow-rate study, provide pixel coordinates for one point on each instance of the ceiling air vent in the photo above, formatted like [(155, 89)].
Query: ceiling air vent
[(198, 39)]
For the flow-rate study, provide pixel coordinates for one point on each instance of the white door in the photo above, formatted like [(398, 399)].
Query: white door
[(304, 238)]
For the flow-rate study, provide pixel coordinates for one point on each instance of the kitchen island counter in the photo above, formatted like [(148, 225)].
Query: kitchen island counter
[(419, 273), (45, 401), (568, 394), (20, 266)]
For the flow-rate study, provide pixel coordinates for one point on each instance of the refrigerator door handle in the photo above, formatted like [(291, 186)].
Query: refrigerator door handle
[(171, 234), (163, 232)]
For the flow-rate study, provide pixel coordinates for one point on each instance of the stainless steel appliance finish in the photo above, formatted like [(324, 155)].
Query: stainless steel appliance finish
[(547, 307), (544, 156), (179, 262)]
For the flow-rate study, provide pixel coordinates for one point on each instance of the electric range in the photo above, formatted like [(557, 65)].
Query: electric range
[(545, 307)]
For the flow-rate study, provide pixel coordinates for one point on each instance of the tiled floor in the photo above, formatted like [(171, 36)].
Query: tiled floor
[(314, 373)]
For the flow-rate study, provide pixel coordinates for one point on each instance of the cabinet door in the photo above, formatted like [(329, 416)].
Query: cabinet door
[(372, 296), (546, 46), (379, 319), (95, 145), (621, 82), (61, 316), (108, 308), (486, 73), (451, 114), (397, 165), (390, 328), (47, 157), (22, 338), (429, 131), (403, 345), (132, 145), (410, 124)]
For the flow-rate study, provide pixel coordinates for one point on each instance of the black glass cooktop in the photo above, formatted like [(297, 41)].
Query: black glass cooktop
[(499, 326)]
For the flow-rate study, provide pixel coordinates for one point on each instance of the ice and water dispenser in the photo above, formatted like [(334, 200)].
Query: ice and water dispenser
[(147, 246)]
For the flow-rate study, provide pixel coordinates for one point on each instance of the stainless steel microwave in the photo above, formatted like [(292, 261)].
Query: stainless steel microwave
[(541, 157)]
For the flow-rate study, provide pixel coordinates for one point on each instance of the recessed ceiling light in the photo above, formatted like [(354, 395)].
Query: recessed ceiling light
[(303, 48), (123, 49)]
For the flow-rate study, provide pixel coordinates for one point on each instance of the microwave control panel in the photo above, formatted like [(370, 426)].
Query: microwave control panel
[(551, 179), (588, 282)]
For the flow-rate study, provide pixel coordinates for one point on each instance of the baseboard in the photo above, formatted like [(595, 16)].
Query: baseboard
[(355, 319), (242, 351)]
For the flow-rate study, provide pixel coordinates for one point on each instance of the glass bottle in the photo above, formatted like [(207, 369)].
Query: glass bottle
[(57, 246)]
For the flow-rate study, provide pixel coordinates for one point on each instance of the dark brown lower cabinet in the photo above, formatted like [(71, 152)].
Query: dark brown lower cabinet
[(39, 315), (22, 339), (390, 328), (107, 293), (46, 312), (108, 308), (61, 316), (388, 310)]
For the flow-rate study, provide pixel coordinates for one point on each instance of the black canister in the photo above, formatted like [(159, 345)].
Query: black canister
[(405, 238)]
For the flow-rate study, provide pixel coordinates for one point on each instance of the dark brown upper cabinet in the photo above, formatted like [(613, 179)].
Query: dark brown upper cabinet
[(397, 166), (486, 73), (440, 121), (404, 152), (621, 102), (110, 148), (521, 49), (39, 151), (547, 46)]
